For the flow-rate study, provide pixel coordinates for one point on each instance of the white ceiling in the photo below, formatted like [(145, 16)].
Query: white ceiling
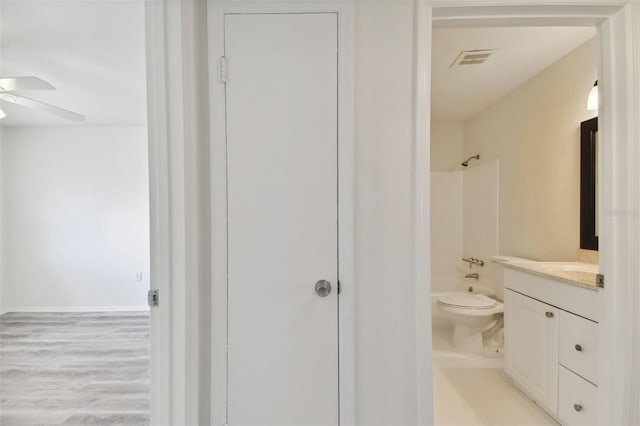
[(460, 92), (92, 52)]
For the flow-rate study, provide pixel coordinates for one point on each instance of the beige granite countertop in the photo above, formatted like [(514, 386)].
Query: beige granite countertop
[(575, 273)]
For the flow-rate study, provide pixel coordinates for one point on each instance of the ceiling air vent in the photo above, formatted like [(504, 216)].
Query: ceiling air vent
[(471, 57)]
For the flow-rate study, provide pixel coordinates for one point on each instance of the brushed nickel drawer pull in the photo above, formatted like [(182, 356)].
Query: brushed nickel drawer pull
[(549, 314), (578, 348), (577, 407)]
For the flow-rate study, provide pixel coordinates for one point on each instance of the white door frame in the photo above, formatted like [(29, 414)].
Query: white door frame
[(345, 198), (619, 371), (186, 227), (179, 194)]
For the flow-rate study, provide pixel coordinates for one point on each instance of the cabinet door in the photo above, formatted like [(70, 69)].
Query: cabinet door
[(531, 347)]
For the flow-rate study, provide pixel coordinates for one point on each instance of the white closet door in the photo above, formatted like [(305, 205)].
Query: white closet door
[(281, 105)]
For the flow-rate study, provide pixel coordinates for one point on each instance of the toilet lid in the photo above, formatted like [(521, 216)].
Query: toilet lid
[(468, 301)]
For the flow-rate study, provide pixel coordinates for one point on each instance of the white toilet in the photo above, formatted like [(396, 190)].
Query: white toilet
[(471, 313)]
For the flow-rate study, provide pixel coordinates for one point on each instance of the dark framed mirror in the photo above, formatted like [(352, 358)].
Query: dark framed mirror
[(589, 184)]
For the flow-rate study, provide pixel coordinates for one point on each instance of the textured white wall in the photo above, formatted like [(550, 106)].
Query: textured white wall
[(447, 140), (535, 132), (385, 316), (75, 218)]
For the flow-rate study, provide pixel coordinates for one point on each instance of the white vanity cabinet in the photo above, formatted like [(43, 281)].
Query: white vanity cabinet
[(551, 344), (531, 347)]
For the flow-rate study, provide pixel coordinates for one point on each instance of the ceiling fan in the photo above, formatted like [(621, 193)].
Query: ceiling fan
[(8, 85)]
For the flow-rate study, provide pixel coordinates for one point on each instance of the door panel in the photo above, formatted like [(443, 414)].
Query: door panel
[(281, 105)]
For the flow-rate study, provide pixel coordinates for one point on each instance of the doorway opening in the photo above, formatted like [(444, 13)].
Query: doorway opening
[(612, 23), (74, 194), (517, 113)]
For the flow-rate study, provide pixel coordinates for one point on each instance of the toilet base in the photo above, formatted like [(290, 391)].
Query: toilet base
[(469, 324), (468, 339)]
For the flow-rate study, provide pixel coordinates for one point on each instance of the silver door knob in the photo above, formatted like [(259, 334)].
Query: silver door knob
[(549, 314), (323, 288), (577, 407)]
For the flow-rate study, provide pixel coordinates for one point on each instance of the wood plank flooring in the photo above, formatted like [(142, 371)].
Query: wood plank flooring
[(74, 369)]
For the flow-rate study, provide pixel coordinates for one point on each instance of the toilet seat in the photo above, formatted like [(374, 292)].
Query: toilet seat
[(472, 301)]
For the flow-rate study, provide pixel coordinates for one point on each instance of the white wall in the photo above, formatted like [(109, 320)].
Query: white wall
[(535, 132), (75, 218), (446, 231), (385, 316), (464, 223), (1, 224), (447, 140)]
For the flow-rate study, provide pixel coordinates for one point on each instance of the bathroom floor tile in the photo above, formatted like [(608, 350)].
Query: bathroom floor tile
[(482, 397)]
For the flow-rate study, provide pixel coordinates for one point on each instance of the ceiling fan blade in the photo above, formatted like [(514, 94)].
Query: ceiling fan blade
[(24, 83), (30, 103), (2, 114)]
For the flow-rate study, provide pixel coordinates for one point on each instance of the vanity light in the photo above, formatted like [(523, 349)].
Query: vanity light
[(592, 101)]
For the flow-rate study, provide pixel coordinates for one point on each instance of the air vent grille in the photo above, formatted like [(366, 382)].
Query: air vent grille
[(472, 57)]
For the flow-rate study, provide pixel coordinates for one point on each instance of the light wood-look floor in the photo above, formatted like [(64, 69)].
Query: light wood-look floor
[(74, 369)]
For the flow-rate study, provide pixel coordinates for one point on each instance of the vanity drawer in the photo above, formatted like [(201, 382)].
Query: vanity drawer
[(578, 341), (577, 399)]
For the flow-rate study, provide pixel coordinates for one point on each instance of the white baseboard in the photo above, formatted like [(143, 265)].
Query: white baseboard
[(78, 309)]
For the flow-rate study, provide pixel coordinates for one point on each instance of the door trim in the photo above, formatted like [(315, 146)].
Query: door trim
[(178, 179), (619, 107), (346, 353)]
